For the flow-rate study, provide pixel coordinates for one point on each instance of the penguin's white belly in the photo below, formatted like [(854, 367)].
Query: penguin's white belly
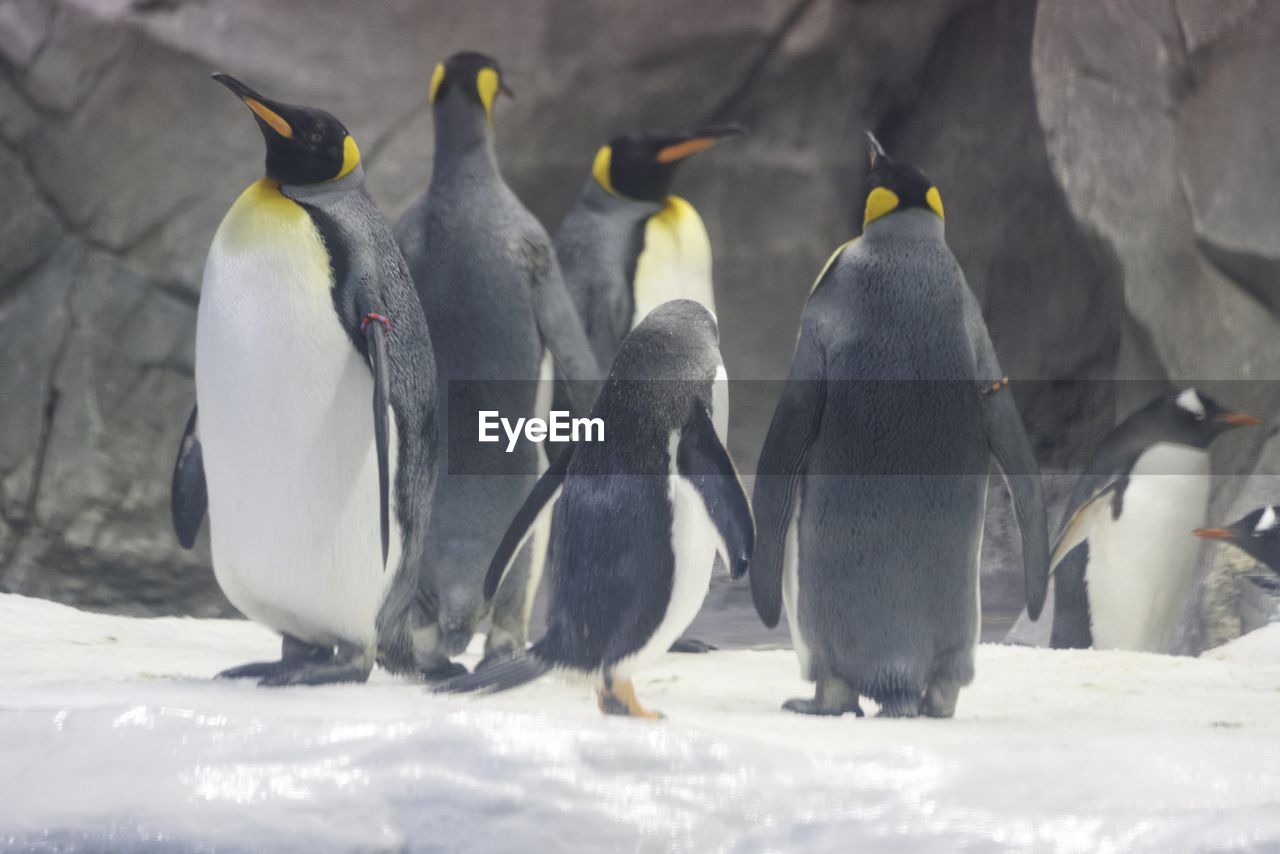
[(791, 590), (694, 541), (675, 262), (286, 422), (1141, 567)]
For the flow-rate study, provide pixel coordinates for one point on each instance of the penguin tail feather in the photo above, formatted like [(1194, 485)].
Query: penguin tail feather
[(510, 671)]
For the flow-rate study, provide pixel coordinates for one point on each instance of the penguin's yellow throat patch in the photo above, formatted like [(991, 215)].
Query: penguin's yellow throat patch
[(350, 157)]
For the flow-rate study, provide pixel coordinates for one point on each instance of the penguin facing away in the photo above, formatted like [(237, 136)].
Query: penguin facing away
[(644, 513), (627, 245), (871, 487), (1123, 567), (1257, 534), (488, 279), (307, 320)]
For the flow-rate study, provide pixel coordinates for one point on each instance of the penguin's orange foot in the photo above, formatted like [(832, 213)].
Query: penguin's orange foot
[(618, 697)]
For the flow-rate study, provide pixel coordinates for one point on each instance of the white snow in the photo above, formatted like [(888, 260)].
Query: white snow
[(113, 737)]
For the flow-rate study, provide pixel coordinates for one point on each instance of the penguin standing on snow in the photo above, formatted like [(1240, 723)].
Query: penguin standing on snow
[(307, 320), (488, 279), (644, 512), (628, 246), (1123, 567), (1257, 534), (871, 487)]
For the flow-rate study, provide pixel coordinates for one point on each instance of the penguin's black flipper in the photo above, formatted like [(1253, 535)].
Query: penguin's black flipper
[(560, 326), (189, 494), (544, 492), (1007, 439), (703, 460), (782, 464), (375, 336), (1104, 498)]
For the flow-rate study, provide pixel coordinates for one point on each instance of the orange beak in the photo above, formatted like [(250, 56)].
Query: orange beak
[(1239, 419), (1213, 533)]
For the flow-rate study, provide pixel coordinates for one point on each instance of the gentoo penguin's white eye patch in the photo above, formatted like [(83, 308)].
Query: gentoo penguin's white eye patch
[(1266, 522), (1189, 401)]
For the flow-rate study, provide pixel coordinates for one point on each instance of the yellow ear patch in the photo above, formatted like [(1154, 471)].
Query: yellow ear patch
[(437, 77), (681, 150), (880, 201), (600, 168), (350, 157), (273, 119), (487, 84), (934, 198)]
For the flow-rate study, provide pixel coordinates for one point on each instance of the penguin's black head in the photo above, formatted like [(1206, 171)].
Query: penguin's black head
[(476, 76), (304, 145), (895, 186), (642, 165), (1190, 418), (1257, 535)]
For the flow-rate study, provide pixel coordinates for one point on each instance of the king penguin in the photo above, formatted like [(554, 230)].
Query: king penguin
[(871, 486), (307, 321), (1257, 534), (628, 245), (644, 513), (500, 316), (1123, 566)]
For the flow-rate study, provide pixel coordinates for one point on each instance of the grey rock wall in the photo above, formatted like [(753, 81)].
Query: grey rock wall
[(1109, 172)]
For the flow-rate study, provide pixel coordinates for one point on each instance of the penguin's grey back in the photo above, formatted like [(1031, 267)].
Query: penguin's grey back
[(900, 458)]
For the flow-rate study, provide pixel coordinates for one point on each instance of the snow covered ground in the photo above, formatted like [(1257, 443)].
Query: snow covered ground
[(112, 737)]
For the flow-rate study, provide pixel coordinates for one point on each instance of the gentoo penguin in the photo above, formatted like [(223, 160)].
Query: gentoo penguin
[(488, 279), (872, 482), (644, 512), (628, 246), (1257, 534), (307, 320), (1123, 566)]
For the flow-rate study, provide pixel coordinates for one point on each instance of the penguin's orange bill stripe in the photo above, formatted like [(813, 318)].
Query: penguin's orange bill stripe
[(681, 150), (1239, 419), (270, 116), (1212, 533)]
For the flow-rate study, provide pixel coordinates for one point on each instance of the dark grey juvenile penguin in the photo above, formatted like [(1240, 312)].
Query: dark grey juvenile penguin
[(1123, 566), (1257, 534), (307, 320), (644, 512), (489, 281), (871, 488), (628, 245)]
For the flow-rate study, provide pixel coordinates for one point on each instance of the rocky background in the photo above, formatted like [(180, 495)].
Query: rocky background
[(1111, 173)]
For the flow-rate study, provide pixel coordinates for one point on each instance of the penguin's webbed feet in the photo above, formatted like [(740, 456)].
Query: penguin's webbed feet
[(618, 697), (832, 698), (439, 671), (692, 646), (349, 663), (292, 653)]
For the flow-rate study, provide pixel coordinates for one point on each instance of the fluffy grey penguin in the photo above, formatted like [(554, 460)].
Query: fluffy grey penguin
[(644, 512), (1257, 534), (1123, 566), (871, 487), (308, 321), (628, 245), (488, 279)]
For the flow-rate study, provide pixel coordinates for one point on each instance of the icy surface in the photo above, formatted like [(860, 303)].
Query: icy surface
[(112, 737)]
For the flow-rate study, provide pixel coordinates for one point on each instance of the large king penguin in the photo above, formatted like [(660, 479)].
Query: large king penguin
[(628, 245), (1123, 566), (315, 443), (644, 513), (872, 482), (488, 279)]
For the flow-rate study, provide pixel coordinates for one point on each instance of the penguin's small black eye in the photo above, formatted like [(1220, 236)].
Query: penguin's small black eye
[(315, 137)]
